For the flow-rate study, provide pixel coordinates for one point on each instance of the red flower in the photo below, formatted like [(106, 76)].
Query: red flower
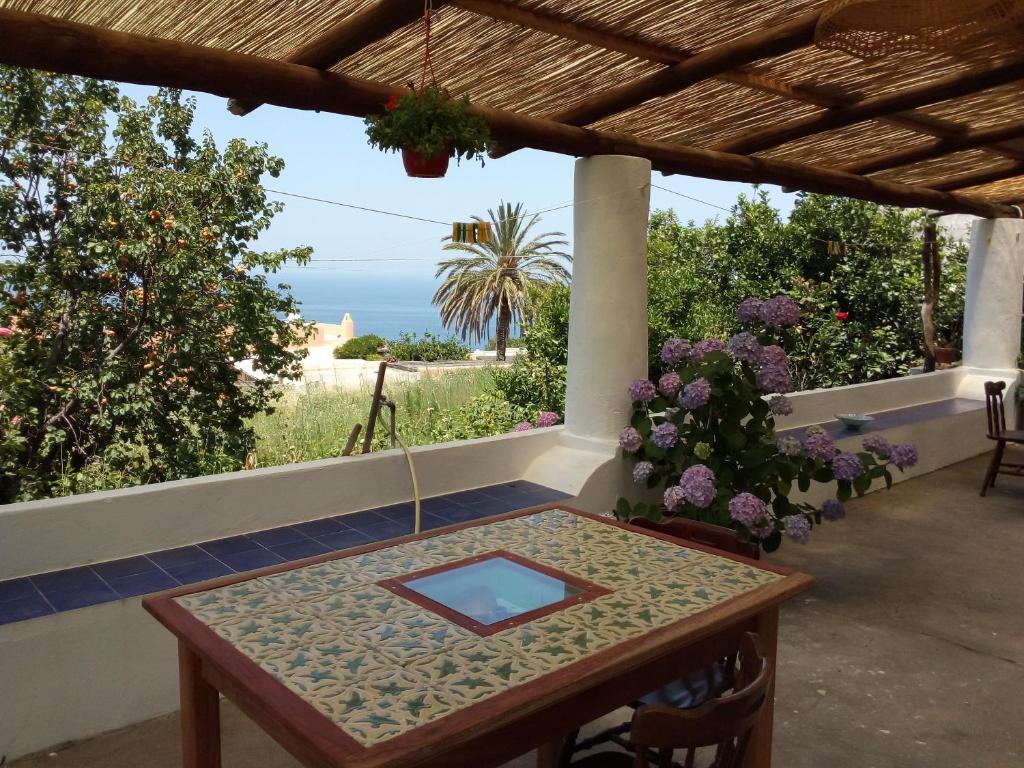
[(393, 101), (842, 315)]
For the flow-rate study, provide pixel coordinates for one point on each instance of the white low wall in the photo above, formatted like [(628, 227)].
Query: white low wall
[(75, 674)]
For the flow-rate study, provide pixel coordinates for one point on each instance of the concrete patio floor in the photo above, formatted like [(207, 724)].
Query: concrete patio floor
[(907, 652)]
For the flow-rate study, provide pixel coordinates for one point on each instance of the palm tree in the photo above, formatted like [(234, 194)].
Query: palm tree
[(493, 279)]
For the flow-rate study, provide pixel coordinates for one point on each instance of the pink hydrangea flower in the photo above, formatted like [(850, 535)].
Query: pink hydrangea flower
[(522, 426), (548, 419), (6, 332)]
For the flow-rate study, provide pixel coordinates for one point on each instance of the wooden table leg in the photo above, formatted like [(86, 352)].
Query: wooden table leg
[(200, 714), (759, 751), (549, 755)]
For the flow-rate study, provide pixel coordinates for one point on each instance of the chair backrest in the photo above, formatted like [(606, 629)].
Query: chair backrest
[(994, 407), (716, 536), (725, 723)]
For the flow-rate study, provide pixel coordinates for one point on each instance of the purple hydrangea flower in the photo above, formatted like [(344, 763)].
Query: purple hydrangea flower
[(548, 419), (798, 528), (780, 405), (698, 484), (833, 510), (701, 348), (779, 311), (847, 466), (764, 529), (674, 498), (745, 346), (774, 355), (749, 310), (774, 378), (790, 446), (696, 394), (669, 385), (820, 446), (747, 509), (642, 391), (665, 435), (878, 445), (522, 426), (903, 455), (630, 440), (642, 471), (675, 350)]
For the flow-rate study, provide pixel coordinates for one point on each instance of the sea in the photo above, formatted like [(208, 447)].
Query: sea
[(385, 305)]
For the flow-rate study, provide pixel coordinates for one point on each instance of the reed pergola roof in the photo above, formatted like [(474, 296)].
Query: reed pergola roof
[(724, 89)]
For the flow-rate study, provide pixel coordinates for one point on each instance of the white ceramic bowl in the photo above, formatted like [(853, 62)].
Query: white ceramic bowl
[(854, 420)]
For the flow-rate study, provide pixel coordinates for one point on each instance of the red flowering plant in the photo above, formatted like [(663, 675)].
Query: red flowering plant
[(705, 433), (431, 123)]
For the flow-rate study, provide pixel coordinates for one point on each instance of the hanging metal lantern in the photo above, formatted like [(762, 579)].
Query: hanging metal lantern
[(872, 29)]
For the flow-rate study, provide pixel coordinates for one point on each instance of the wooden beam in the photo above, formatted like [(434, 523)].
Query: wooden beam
[(977, 178), (821, 96), (49, 43), (969, 140), (949, 87), (762, 44), (373, 23)]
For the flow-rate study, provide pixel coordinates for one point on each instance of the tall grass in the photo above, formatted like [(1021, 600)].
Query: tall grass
[(316, 424)]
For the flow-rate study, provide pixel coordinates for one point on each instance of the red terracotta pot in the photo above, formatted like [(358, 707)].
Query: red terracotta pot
[(945, 355), (420, 167)]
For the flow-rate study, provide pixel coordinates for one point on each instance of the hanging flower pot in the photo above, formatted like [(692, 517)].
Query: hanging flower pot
[(420, 167), (427, 124), (428, 127)]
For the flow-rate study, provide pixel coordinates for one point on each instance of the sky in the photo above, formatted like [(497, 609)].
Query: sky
[(326, 156)]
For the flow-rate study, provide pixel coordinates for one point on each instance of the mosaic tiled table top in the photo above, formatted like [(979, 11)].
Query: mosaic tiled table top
[(378, 665)]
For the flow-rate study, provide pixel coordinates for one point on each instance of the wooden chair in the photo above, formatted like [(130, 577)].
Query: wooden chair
[(997, 431), (724, 723), (681, 694)]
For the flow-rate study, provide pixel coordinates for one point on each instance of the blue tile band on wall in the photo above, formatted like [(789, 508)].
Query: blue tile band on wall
[(43, 594)]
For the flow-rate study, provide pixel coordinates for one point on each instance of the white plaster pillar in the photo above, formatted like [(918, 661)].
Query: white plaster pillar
[(995, 280), (608, 311)]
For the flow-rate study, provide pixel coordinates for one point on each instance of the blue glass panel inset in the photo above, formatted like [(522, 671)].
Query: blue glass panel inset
[(493, 590)]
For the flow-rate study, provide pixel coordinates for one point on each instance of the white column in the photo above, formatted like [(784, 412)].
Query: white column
[(608, 311), (995, 280)]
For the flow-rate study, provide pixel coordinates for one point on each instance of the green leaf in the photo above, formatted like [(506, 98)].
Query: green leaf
[(772, 542)]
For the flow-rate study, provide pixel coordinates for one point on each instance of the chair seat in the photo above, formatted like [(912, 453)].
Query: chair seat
[(1009, 435), (692, 691), (605, 760)]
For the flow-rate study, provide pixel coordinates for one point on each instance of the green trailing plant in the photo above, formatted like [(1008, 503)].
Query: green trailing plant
[(431, 123)]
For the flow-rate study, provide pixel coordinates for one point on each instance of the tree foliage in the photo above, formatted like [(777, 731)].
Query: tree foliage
[(490, 282), (860, 306), (131, 288)]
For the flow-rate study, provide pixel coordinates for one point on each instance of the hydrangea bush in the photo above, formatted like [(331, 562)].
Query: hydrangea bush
[(705, 432)]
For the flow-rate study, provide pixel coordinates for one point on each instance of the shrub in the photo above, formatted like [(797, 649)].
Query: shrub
[(483, 416), (429, 349), (510, 343), (360, 348), (707, 431), (532, 385)]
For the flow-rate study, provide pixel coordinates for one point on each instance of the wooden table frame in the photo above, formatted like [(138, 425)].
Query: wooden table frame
[(536, 714)]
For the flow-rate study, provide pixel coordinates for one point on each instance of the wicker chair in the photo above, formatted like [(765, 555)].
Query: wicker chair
[(724, 723), (698, 687), (997, 431)]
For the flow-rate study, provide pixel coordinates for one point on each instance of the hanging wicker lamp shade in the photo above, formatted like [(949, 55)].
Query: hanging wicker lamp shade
[(875, 28)]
